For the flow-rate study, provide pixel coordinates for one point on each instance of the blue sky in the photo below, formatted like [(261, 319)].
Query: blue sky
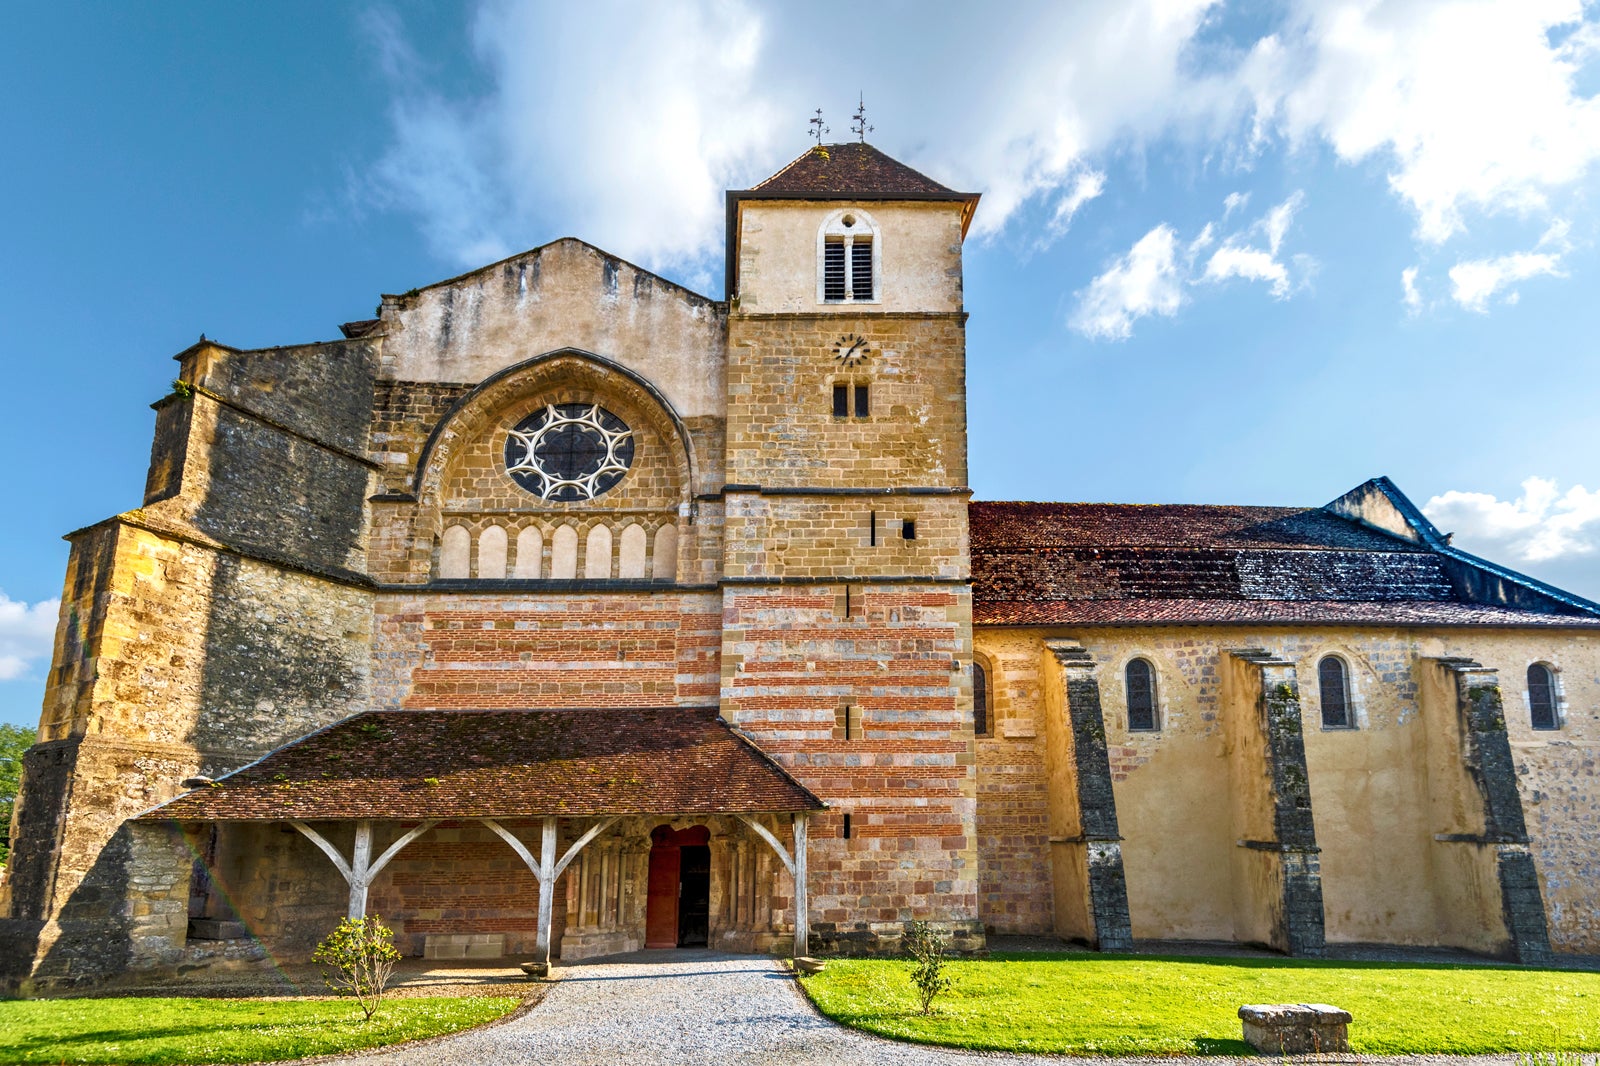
[(1237, 252)]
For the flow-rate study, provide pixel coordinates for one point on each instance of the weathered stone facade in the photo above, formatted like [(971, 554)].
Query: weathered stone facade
[(333, 530)]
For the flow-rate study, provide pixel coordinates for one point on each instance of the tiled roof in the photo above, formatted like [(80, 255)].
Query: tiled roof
[(852, 169), (1260, 612), (1169, 525), (1108, 564), (503, 764)]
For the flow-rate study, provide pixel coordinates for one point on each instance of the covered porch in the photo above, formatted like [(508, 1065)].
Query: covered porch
[(505, 834)]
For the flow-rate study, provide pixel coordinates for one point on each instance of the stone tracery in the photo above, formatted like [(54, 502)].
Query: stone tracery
[(569, 451)]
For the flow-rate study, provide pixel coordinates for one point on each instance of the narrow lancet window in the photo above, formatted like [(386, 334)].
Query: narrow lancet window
[(1542, 697), (980, 700), (1142, 697), (1333, 682)]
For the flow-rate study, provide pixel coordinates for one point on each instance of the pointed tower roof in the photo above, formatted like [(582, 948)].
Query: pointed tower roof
[(849, 171), (852, 170)]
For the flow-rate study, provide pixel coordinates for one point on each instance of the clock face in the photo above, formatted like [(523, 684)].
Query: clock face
[(851, 349)]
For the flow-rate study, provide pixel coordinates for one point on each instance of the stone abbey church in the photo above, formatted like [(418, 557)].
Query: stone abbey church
[(561, 611)]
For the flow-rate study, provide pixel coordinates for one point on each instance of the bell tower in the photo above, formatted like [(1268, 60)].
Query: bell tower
[(847, 639)]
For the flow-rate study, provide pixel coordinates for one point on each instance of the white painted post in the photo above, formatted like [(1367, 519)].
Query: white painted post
[(802, 903), (547, 891), (360, 862)]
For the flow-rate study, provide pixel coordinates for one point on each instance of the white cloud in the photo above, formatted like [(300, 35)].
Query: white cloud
[(27, 634), (1087, 186), (1408, 290), (1474, 282), (1542, 525), (1236, 259), (1252, 264), (1472, 103), (1146, 281), (624, 123), (621, 122), (1152, 278)]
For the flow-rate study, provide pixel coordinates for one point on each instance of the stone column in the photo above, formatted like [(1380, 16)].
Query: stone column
[(1488, 895), (1091, 893), (1277, 873)]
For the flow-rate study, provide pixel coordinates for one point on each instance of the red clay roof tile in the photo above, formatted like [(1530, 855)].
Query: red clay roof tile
[(852, 169), (503, 764)]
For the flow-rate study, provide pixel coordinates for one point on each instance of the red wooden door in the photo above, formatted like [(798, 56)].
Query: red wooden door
[(661, 907)]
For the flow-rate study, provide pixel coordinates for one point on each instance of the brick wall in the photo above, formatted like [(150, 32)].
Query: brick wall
[(792, 661), (546, 649)]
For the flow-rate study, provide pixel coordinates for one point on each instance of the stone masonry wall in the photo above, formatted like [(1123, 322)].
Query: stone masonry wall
[(781, 428), (1369, 786), (274, 450), (172, 658)]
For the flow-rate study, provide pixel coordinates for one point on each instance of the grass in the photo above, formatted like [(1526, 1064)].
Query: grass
[(1118, 1004), (223, 1030)]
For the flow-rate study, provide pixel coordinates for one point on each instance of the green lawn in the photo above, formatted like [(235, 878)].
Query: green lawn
[(222, 1030), (1118, 1004)]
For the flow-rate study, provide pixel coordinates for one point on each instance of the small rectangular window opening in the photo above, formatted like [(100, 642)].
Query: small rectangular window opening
[(847, 601), (841, 401), (861, 401), (847, 722), (908, 529), (847, 827), (872, 529)]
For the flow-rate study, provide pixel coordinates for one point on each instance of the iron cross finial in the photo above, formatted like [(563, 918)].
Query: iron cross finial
[(859, 126), (817, 128)]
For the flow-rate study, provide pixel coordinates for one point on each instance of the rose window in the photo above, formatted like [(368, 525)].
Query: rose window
[(569, 451)]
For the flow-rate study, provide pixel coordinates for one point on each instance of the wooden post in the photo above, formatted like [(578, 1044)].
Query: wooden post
[(360, 863), (547, 890), (802, 903)]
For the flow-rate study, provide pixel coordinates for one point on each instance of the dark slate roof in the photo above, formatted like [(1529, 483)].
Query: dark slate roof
[(1261, 612), (1111, 564), (503, 764), (852, 169)]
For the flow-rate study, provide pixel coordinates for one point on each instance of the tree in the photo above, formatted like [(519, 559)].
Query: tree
[(362, 952), (14, 740), (926, 946)]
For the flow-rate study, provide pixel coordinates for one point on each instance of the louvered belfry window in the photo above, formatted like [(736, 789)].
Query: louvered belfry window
[(850, 264), (861, 269), (833, 280), (1542, 697), (1141, 696)]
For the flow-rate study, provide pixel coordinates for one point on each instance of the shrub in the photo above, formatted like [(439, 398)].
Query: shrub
[(362, 954), (926, 946)]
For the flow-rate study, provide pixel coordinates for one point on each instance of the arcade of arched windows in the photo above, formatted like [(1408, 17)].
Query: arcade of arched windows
[(619, 548)]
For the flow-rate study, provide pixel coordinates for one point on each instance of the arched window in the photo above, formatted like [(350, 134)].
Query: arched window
[(1542, 697), (848, 258), (1142, 696), (492, 553), (455, 553), (1333, 683), (981, 716)]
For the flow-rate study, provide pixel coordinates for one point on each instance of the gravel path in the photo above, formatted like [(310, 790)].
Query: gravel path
[(675, 1007)]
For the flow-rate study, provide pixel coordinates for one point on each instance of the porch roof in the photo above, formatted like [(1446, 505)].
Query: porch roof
[(427, 764)]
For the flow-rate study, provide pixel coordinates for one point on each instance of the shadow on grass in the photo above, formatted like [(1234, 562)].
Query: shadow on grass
[(1254, 962)]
